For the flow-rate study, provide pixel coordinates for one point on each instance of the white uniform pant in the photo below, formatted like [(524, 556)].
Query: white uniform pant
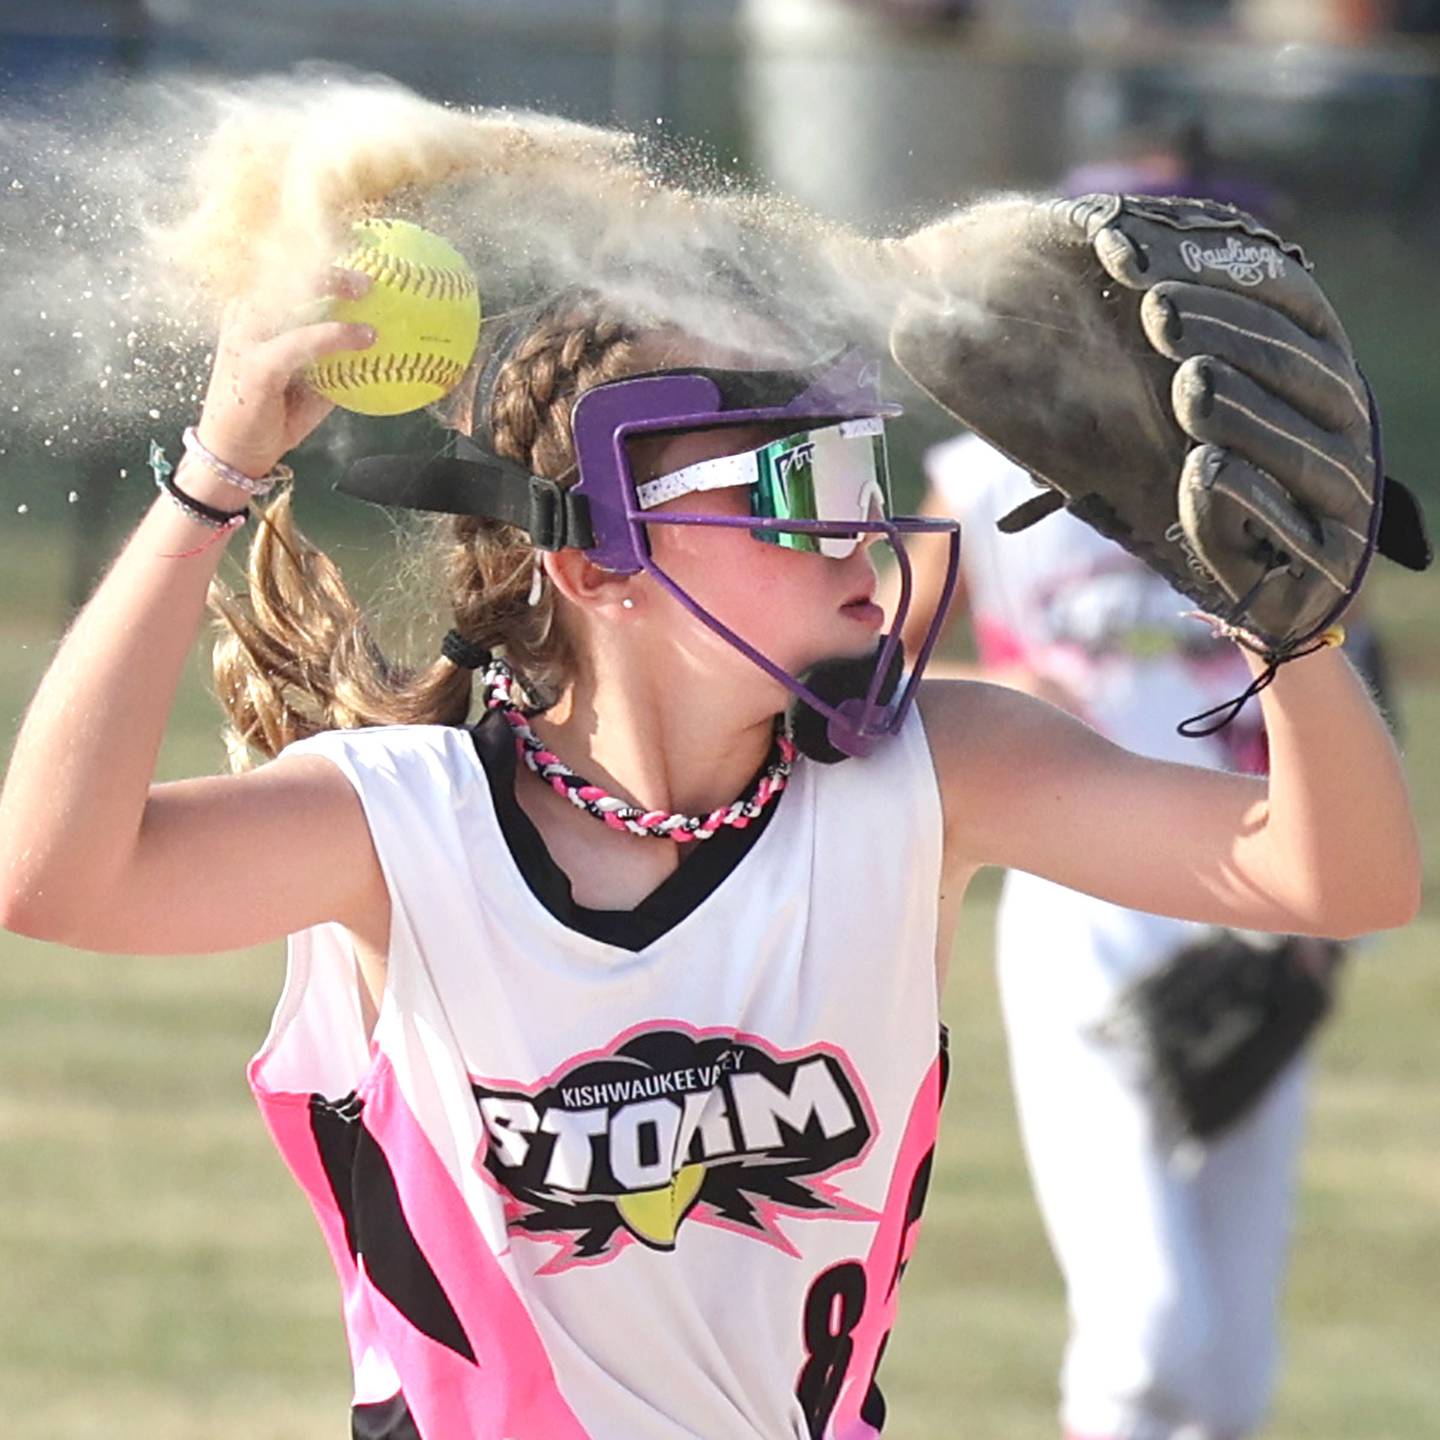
[(1173, 1271)]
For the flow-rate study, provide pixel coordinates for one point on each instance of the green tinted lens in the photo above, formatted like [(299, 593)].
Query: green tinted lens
[(784, 489), (835, 474)]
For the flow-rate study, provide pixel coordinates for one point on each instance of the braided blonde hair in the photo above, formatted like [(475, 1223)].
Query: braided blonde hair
[(296, 655)]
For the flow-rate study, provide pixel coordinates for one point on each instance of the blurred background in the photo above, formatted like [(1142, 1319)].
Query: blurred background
[(158, 1272)]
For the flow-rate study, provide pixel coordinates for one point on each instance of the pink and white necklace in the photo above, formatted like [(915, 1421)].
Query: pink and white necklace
[(498, 689)]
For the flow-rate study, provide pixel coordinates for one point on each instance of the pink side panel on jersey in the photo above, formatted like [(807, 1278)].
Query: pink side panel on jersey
[(996, 643), (894, 1240), (287, 1117), (510, 1391)]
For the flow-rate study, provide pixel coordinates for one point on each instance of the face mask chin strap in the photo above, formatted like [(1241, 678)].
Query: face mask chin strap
[(843, 684)]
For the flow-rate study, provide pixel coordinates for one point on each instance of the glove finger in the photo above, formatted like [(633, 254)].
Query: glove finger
[(1325, 471), (1247, 530), (1314, 375), (1141, 241)]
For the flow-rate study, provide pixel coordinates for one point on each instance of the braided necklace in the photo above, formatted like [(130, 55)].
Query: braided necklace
[(498, 686)]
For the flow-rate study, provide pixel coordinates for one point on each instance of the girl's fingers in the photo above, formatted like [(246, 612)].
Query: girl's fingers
[(335, 284), (312, 312), (294, 349), (242, 324), (307, 407)]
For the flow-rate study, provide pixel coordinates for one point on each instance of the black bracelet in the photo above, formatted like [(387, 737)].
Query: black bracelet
[(196, 509)]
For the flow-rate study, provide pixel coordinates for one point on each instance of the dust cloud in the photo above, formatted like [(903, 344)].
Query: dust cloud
[(126, 231)]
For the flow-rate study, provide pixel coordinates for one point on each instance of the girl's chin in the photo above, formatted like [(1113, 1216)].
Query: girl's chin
[(858, 644)]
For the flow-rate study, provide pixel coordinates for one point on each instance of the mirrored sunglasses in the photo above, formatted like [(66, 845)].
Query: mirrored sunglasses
[(834, 474)]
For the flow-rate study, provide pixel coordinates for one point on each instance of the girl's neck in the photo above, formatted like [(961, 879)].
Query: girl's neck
[(653, 746)]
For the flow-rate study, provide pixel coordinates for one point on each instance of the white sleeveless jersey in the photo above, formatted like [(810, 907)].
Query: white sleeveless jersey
[(573, 1190)]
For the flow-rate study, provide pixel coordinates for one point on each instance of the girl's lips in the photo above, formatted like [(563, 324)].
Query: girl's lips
[(867, 612)]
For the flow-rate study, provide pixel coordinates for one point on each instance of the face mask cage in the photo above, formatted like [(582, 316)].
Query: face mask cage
[(857, 700), (858, 710)]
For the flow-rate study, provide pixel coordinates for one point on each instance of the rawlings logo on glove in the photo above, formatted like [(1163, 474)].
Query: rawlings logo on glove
[(1244, 264)]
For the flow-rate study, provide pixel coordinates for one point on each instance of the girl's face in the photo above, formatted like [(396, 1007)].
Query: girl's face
[(793, 606)]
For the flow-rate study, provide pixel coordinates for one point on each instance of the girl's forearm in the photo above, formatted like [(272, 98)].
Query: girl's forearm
[(74, 797), (1339, 829), (73, 808)]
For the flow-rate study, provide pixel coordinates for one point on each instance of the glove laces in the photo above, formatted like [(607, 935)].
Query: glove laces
[(1195, 728)]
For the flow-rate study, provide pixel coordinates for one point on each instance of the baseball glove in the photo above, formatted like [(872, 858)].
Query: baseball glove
[(1170, 371), (1217, 1022)]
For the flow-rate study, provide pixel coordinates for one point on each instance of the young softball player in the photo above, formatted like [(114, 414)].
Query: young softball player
[(616, 1096)]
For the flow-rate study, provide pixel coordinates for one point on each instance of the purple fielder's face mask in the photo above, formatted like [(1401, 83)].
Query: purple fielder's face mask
[(858, 705)]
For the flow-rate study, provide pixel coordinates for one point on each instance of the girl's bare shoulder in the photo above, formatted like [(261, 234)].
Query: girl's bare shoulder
[(973, 723), (994, 746)]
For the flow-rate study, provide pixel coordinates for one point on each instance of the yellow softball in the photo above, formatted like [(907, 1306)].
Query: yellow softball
[(425, 309)]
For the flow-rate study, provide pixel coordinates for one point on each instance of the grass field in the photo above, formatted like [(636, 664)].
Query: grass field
[(162, 1279)]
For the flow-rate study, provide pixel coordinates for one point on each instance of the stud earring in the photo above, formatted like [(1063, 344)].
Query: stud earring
[(627, 603)]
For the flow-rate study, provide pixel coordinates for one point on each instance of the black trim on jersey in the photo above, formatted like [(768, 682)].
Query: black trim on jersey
[(384, 1420), (661, 910), (333, 1127), (368, 1199), (873, 1410)]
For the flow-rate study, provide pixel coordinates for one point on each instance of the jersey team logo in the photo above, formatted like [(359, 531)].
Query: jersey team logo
[(668, 1125)]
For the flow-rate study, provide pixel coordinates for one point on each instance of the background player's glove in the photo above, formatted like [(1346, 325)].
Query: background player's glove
[(1171, 369), (1217, 1022)]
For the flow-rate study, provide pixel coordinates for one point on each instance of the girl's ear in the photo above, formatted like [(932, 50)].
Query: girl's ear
[(586, 584)]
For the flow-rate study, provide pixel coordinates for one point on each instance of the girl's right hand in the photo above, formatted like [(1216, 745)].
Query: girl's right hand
[(258, 407)]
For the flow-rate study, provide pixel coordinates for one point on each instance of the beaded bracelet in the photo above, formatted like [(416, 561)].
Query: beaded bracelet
[(238, 478), (197, 510), (1331, 638)]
